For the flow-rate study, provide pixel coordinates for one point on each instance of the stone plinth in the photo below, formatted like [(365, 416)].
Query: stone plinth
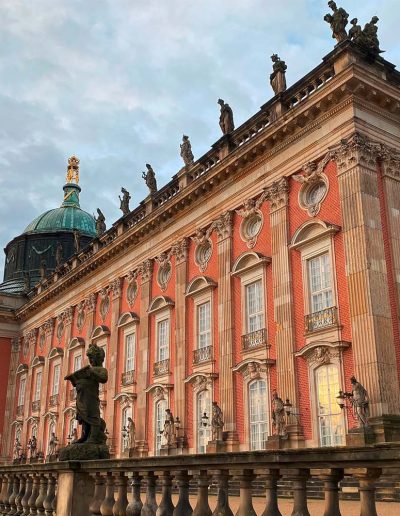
[(386, 428), (360, 437), (216, 446), (168, 449), (84, 451), (277, 442)]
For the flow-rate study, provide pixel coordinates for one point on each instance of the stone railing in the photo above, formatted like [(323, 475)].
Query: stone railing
[(128, 378), (321, 319), (254, 339), (102, 486), (202, 355), (53, 401), (35, 406), (161, 367), (166, 193)]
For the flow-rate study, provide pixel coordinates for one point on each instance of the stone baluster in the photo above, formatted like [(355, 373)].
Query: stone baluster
[(98, 495), (135, 506), (202, 508), (122, 498), (367, 477), (166, 507), (150, 505), (54, 504), (2, 491), (331, 479), (271, 495), (27, 495), (9, 492), (50, 495), (183, 507), (21, 493), (42, 495), (14, 494), (34, 495), (222, 508), (246, 504), (299, 485), (106, 507)]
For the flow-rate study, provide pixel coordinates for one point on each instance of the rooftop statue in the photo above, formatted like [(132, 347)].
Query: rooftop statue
[(277, 77), (77, 241), (124, 201), (186, 151), (43, 270), (100, 222), (226, 118), (150, 179), (368, 38), (73, 170), (59, 254), (337, 21), (355, 31), (92, 443)]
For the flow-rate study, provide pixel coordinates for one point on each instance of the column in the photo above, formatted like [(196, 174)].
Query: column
[(64, 385), (11, 398), (277, 195), (367, 273), (180, 250), (223, 228), (146, 271)]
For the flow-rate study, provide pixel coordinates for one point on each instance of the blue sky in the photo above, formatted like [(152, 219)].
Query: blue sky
[(117, 82)]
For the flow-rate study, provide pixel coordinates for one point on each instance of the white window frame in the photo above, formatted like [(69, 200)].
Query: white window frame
[(159, 423), (125, 413), (262, 424), (22, 391), (321, 291), (162, 316), (256, 274), (198, 300), (127, 335), (203, 433), (38, 384), (260, 314), (56, 381), (75, 356)]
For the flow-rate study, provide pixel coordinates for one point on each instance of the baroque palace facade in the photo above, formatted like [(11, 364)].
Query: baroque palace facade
[(270, 263)]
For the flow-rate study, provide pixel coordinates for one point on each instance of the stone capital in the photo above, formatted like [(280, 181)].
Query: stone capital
[(146, 270), (356, 150), (116, 288), (90, 302), (223, 225), (180, 251), (277, 194), (16, 344)]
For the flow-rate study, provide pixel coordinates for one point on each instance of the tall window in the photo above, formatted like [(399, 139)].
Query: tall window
[(21, 394), (162, 340), (56, 379), (258, 414), (77, 362), (204, 325), (52, 429), (330, 417), (38, 386), (254, 306), (130, 352), (320, 281), (126, 412), (73, 424), (203, 432), (161, 407)]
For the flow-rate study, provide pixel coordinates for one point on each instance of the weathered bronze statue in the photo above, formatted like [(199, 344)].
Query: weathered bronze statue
[(217, 423), (92, 443), (278, 415), (226, 118), (337, 21), (124, 201), (100, 222), (150, 179), (59, 254), (43, 270), (277, 77), (77, 241), (186, 151)]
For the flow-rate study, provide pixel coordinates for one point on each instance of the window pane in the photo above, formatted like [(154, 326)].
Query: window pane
[(38, 386), (163, 340), (319, 278), (203, 432), (160, 409), (254, 306), (330, 417), (130, 352), (56, 379), (258, 414), (204, 325), (21, 397), (77, 362)]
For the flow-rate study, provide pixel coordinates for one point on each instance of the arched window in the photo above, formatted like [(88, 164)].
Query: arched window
[(203, 432), (160, 408), (52, 429), (258, 414), (72, 429), (126, 412), (330, 417)]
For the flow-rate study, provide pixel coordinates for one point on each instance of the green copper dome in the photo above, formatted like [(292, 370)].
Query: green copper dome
[(66, 218)]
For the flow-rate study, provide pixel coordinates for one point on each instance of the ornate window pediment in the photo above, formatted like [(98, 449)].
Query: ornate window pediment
[(76, 342), (159, 390), (125, 399), (37, 361), (201, 381), (319, 353), (247, 261), (55, 352), (22, 368), (199, 284), (254, 368), (127, 318), (160, 302), (311, 231), (100, 331)]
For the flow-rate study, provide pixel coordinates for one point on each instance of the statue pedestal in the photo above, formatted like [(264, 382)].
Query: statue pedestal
[(277, 442), (142, 449), (295, 436), (224, 145), (84, 451), (360, 437), (386, 428), (168, 449), (216, 446)]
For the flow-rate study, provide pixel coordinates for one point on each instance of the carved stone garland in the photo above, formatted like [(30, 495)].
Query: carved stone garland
[(314, 185), (252, 222), (132, 290), (164, 270), (104, 303), (203, 251)]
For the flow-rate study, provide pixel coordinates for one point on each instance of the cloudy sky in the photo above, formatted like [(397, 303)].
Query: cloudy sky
[(117, 82)]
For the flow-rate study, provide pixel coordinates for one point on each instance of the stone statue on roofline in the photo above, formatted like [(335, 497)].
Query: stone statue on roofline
[(77, 241), (150, 179), (337, 21), (43, 270), (277, 77), (100, 222), (186, 151), (92, 443), (226, 118), (124, 201), (368, 38)]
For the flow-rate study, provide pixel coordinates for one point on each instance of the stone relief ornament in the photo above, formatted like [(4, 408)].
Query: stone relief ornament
[(16, 344), (180, 250), (203, 251), (146, 270), (104, 303), (314, 187), (60, 327), (80, 319), (322, 355), (159, 393), (277, 194), (164, 270), (252, 222), (132, 290), (90, 302), (116, 287), (223, 225)]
